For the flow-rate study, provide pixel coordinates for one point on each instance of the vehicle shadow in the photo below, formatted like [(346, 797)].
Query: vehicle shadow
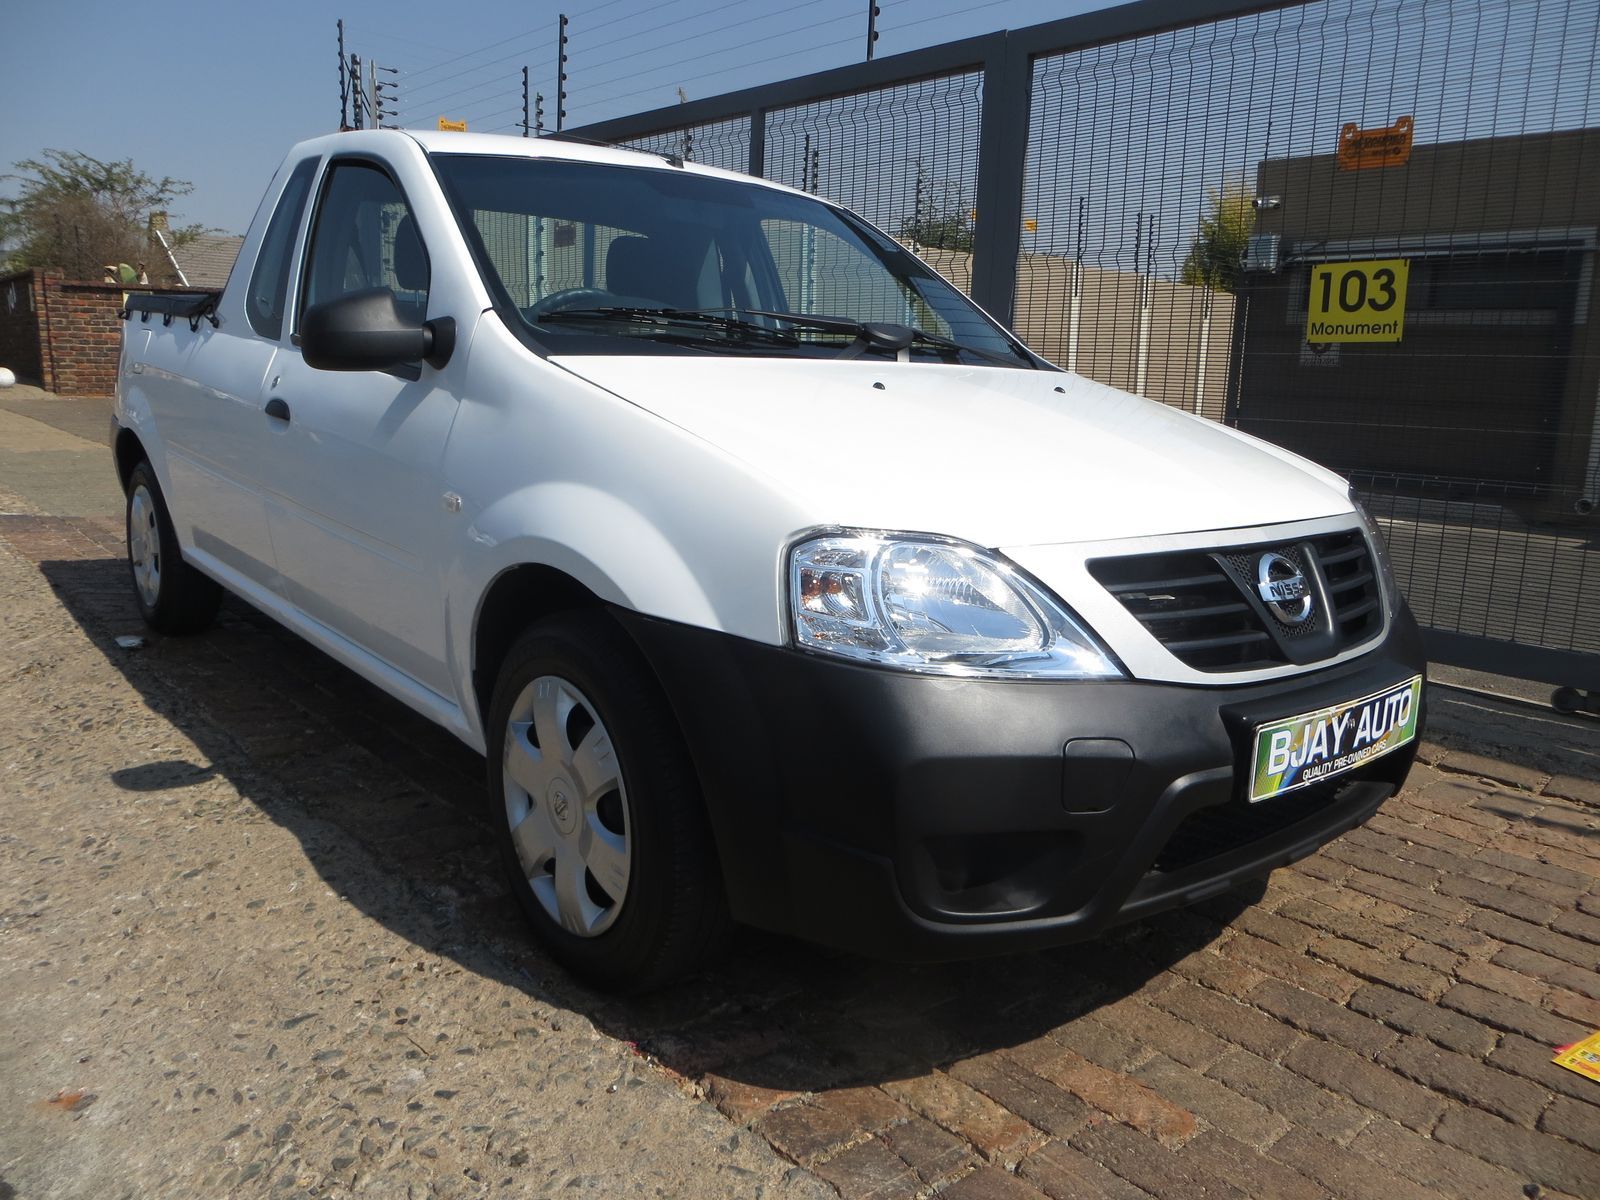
[(313, 746)]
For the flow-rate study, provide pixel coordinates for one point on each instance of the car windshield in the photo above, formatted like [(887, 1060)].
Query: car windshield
[(596, 258)]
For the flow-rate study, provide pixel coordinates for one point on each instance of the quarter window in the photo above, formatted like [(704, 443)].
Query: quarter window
[(264, 303)]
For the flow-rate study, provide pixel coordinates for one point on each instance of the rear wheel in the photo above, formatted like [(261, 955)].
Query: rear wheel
[(173, 597), (600, 822)]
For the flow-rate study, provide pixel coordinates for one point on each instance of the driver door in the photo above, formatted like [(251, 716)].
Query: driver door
[(355, 499)]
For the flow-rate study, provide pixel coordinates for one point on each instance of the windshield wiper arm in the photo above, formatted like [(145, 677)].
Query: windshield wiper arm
[(705, 318), (877, 335)]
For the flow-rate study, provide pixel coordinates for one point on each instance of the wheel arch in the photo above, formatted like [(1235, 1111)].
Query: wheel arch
[(515, 599), (129, 452)]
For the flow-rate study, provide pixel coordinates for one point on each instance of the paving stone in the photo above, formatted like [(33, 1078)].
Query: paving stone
[(1102, 1044), (1435, 958), (1111, 1092), (866, 1107), (742, 1102), (1161, 1031), (1239, 1118), (990, 1183), (1324, 918), (1433, 1164), (1578, 925), (1033, 1098), (1291, 966), (1378, 856), (995, 1133), (1449, 935), (1322, 1017), (1466, 1079), (1228, 1019), (1346, 1175), (928, 1150), (870, 1171), (1503, 1012), (1063, 1173), (1150, 1165), (1558, 972), (806, 1133), (1572, 787), (1228, 1159), (1347, 1074), (1367, 963), (1534, 937), (1573, 1120), (1531, 1060), (1406, 1012), (1280, 1090), (1409, 896), (1500, 899), (1210, 969), (1573, 1007), (1540, 1159), (1499, 770), (1496, 978)]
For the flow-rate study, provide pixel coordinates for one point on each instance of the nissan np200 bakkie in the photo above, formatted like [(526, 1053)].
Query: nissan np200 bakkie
[(776, 581)]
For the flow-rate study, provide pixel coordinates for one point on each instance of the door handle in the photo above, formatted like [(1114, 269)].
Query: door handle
[(277, 409)]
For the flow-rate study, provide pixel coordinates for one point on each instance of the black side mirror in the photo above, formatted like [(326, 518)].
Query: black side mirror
[(364, 331)]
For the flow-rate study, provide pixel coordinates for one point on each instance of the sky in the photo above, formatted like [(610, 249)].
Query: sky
[(216, 95)]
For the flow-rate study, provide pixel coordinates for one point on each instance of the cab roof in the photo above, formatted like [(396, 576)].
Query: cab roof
[(511, 146)]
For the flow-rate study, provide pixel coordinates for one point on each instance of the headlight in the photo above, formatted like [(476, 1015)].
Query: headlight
[(1380, 553), (929, 605)]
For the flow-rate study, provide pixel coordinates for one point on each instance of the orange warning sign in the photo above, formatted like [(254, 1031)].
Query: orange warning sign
[(1361, 149)]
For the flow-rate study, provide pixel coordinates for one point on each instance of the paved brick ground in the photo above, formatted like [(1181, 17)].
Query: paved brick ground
[(1376, 1022)]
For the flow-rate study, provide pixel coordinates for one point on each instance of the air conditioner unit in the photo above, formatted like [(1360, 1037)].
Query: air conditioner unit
[(1261, 252)]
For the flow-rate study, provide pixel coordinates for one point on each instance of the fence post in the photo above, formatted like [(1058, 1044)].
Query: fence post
[(1002, 167), (758, 143)]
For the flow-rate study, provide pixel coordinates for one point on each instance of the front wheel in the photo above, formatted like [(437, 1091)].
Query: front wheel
[(173, 597), (597, 809)]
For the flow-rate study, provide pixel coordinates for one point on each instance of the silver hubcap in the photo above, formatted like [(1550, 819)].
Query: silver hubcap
[(566, 806), (144, 545)]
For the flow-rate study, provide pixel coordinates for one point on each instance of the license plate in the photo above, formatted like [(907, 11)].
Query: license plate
[(1299, 751)]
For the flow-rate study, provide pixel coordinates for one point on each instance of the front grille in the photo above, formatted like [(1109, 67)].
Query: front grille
[(1202, 605), (1192, 606), (1352, 582)]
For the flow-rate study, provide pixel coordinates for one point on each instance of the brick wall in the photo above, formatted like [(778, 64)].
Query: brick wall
[(63, 334)]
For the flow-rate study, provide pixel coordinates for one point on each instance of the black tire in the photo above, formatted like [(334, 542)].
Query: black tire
[(673, 917), (175, 599)]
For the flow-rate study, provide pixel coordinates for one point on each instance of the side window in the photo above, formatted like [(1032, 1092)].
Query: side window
[(264, 302), (366, 237)]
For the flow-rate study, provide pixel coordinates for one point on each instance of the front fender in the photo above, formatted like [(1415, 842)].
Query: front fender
[(626, 559)]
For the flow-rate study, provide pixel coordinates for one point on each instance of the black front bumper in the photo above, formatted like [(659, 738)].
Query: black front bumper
[(918, 817)]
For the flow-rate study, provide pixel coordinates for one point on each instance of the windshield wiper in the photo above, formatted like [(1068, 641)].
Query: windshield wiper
[(661, 318), (876, 335)]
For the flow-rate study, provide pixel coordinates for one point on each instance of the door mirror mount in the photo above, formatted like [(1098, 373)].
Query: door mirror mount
[(365, 331)]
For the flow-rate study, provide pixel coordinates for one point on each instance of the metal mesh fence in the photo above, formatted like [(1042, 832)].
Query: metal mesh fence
[(1201, 196), (905, 157), (724, 144)]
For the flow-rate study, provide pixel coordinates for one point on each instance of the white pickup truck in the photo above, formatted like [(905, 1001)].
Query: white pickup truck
[(776, 581)]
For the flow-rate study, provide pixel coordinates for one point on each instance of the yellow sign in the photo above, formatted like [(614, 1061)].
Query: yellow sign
[(1357, 301), (448, 126), (1361, 149), (1582, 1057)]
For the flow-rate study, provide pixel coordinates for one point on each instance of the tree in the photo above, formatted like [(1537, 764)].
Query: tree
[(77, 213), (1216, 257), (942, 220)]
